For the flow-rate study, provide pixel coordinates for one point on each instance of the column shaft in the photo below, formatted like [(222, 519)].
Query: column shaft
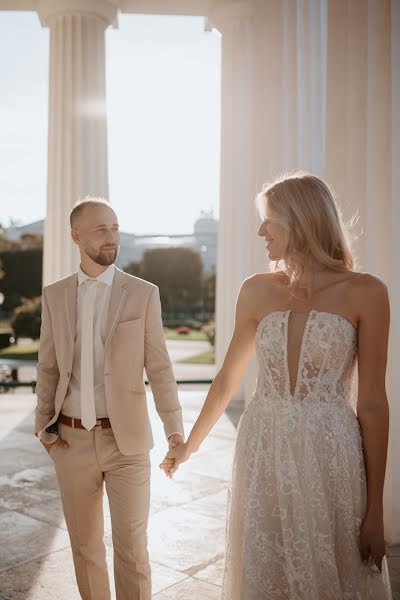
[(269, 125), (77, 144), (237, 173), (362, 150)]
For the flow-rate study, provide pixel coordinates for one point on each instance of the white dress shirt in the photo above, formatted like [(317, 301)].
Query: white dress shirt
[(72, 403)]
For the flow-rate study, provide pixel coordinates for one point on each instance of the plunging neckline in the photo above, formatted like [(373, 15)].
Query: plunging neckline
[(286, 313), (299, 361)]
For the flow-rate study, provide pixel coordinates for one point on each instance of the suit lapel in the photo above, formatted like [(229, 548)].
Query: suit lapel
[(117, 301), (70, 289)]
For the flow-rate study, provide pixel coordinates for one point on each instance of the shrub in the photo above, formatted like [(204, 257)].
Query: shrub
[(209, 330), (173, 323), (183, 329), (26, 319), (5, 339)]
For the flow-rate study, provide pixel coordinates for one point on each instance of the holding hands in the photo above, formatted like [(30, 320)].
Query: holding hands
[(178, 453)]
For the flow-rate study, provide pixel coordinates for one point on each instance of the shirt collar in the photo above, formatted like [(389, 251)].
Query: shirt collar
[(106, 277)]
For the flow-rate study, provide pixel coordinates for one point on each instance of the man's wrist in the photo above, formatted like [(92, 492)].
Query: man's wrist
[(175, 433), (48, 438)]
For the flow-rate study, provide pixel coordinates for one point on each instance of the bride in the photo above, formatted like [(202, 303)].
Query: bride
[(305, 516)]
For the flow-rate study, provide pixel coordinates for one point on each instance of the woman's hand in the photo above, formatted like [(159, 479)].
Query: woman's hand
[(174, 458), (371, 540)]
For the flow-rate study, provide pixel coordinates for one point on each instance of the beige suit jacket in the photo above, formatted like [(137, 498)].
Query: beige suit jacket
[(135, 341)]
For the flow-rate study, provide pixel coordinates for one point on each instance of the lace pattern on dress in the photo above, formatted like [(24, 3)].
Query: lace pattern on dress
[(298, 492)]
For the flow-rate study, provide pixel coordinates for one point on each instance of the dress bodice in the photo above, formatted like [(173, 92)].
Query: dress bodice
[(326, 360)]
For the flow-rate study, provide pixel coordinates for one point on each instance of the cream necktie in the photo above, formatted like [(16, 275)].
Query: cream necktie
[(88, 409)]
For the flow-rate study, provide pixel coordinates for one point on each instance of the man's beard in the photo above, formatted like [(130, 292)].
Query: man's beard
[(102, 258)]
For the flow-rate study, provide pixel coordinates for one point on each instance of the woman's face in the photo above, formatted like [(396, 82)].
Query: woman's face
[(274, 233)]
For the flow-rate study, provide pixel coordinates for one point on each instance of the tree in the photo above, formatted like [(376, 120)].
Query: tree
[(178, 274), (26, 319), (23, 275), (133, 268), (208, 290), (6, 244)]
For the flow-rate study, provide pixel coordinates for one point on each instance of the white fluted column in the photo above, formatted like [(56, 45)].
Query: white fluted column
[(272, 119), (237, 224), (77, 138), (362, 159), (393, 493)]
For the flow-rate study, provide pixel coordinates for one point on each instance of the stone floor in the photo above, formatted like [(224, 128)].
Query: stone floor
[(186, 529)]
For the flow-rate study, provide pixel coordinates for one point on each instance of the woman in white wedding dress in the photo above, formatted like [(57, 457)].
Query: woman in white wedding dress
[(305, 515)]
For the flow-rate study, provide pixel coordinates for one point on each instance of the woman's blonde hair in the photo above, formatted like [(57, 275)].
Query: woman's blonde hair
[(306, 207)]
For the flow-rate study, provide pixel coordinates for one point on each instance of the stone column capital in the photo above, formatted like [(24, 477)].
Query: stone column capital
[(105, 11)]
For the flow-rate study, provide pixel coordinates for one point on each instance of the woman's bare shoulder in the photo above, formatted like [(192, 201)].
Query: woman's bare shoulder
[(366, 282), (260, 292), (266, 281), (367, 289)]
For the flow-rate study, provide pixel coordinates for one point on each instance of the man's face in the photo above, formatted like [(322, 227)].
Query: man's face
[(97, 234)]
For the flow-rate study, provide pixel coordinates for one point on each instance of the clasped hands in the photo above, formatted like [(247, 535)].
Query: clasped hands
[(177, 454)]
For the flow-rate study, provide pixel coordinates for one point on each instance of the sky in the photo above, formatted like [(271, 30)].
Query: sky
[(163, 107)]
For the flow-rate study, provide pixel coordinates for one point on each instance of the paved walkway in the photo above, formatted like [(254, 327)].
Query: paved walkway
[(186, 530)]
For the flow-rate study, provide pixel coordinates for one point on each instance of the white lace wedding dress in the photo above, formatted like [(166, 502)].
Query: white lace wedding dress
[(298, 492)]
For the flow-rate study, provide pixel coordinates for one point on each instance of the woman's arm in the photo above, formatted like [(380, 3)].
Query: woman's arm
[(372, 404), (229, 376), (225, 383), (373, 410)]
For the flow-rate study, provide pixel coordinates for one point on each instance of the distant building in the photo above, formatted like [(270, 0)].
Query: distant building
[(15, 232), (206, 239), (203, 239)]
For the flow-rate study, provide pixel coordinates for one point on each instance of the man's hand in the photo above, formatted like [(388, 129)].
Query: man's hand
[(175, 457), (174, 440), (58, 442)]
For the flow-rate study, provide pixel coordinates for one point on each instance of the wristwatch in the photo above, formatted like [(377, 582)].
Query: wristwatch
[(53, 428)]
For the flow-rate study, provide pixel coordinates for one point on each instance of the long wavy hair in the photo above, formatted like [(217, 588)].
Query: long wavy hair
[(306, 207)]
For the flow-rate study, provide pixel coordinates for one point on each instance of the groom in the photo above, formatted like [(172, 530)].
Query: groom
[(100, 328)]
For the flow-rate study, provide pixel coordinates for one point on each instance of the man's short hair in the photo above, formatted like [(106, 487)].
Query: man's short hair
[(81, 205)]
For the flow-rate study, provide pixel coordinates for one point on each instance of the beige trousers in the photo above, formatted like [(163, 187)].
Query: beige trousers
[(91, 459)]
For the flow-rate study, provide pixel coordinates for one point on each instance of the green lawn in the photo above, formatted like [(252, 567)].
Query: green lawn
[(21, 351), (171, 334), (205, 358), (30, 351)]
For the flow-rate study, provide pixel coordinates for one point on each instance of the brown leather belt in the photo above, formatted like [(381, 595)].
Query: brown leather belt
[(77, 423)]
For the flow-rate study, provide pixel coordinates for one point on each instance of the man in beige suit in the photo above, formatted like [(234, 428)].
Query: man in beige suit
[(100, 329)]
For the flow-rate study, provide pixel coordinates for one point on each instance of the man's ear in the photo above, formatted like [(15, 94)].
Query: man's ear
[(75, 235)]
